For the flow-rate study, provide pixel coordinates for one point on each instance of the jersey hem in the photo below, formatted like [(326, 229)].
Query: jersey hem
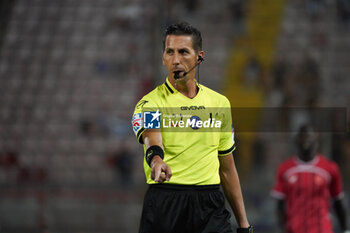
[(202, 183), (170, 186)]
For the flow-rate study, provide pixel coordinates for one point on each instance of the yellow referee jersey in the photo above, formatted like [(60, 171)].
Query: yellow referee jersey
[(194, 132)]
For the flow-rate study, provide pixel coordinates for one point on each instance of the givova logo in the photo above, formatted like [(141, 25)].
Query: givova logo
[(151, 120)]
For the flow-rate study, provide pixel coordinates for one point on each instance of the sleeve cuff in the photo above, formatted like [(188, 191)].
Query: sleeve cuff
[(139, 135), (339, 196), (226, 152), (277, 194)]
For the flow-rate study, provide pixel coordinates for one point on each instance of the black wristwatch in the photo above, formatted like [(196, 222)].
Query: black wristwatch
[(249, 229)]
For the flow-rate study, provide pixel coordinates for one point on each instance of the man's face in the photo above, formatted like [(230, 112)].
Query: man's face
[(179, 55), (306, 143)]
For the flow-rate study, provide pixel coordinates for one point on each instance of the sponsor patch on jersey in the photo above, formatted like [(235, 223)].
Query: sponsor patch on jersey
[(136, 122)]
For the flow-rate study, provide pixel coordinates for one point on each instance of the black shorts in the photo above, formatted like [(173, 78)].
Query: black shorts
[(184, 209)]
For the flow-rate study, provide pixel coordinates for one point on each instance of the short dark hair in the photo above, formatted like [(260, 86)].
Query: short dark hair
[(184, 28)]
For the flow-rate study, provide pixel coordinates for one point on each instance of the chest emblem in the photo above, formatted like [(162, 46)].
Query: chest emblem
[(293, 179)]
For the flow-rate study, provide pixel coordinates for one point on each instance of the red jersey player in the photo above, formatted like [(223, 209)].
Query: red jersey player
[(305, 185)]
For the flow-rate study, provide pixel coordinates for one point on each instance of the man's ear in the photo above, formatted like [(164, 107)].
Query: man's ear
[(200, 54)]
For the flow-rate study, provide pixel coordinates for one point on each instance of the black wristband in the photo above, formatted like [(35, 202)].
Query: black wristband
[(249, 229), (152, 151)]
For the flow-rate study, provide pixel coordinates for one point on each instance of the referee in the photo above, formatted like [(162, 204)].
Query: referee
[(184, 169)]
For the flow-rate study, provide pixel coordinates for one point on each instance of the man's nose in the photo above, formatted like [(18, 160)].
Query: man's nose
[(176, 59)]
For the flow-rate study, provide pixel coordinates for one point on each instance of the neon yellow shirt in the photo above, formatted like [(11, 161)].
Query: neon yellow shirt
[(191, 149)]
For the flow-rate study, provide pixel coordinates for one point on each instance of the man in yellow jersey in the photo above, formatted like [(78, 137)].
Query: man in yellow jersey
[(183, 127)]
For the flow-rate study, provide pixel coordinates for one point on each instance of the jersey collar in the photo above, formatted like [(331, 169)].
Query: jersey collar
[(311, 162), (172, 89), (169, 86)]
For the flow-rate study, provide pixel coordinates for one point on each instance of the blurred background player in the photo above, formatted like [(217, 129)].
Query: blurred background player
[(305, 185)]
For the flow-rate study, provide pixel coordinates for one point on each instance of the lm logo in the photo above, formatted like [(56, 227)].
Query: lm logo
[(151, 120)]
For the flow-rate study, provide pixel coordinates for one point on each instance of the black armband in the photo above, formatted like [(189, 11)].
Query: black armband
[(245, 230), (152, 151)]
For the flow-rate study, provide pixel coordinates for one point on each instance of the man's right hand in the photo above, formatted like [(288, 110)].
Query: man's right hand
[(160, 171)]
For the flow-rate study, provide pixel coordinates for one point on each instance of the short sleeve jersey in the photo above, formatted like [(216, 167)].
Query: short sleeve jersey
[(192, 154), (307, 188)]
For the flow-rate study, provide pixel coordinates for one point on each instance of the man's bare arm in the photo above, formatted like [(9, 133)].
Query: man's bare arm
[(232, 188), (340, 211), (160, 171), (281, 215)]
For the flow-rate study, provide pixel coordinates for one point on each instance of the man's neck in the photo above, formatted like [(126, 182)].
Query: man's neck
[(187, 87), (307, 156)]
